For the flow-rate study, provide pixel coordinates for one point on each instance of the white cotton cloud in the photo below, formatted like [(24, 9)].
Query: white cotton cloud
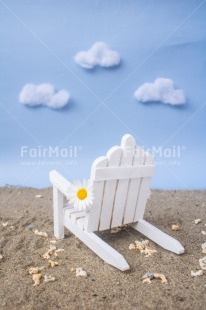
[(43, 94), (99, 54), (161, 90)]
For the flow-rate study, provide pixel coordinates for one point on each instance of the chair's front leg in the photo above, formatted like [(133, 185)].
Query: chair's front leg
[(58, 203)]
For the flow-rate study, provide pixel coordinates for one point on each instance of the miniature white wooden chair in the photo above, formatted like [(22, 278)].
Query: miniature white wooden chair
[(121, 181)]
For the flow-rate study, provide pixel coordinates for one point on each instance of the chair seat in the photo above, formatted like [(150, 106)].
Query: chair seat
[(78, 217)]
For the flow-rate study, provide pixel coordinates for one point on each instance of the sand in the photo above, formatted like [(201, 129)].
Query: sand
[(105, 287)]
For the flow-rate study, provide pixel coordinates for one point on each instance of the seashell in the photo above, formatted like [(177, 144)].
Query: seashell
[(37, 278), (41, 233), (53, 263), (148, 252), (115, 230), (149, 275), (56, 253), (38, 196), (202, 262), (196, 273), (147, 280), (203, 247), (142, 246), (52, 248), (160, 276), (81, 272), (197, 221), (35, 270), (47, 255), (49, 279), (175, 227), (72, 269), (132, 246), (5, 224)]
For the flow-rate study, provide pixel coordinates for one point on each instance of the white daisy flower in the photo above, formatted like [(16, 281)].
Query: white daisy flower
[(80, 195)]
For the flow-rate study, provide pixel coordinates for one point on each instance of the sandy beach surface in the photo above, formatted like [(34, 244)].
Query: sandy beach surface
[(21, 213)]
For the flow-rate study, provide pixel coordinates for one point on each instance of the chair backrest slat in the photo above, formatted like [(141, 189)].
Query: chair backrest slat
[(127, 145), (122, 173), (143, 192), (93, 217), (114, 158), (134, 186)]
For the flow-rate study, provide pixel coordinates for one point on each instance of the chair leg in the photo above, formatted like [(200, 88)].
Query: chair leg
[(97, 245), (158, 236), (58, 204)]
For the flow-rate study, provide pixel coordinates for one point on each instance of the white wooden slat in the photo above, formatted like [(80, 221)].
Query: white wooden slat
[(93, 216), (70, 210), (114, 157), (74, 214), (128, 146), (143, 192), (80, 222), (121, 173), (133, 191), (59, 182), (58, 213)]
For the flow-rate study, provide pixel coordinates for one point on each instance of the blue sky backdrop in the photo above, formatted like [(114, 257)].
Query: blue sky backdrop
[(38, 42)]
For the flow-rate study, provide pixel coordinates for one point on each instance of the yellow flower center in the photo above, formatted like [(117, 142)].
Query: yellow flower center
[(82, 193)]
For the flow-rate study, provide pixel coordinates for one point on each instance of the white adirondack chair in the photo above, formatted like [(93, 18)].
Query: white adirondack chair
[(121, 181)]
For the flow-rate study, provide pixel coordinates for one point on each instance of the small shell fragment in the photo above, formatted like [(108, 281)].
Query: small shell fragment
[(12, 227), (37, 278), (142, 246), (81, 272), (56, 252), (41, 233), (115, 230), (5, 224), (49, 279), (196, 273), (72, 269), (197, 221), (176, 227), (1, 257), (149, 275), (132, 246), (204, 232), (160, 276), (53, 241), (147, 280), (38, 196), (202, 262), (35, 270), (203, 248), (148, 252), (52, 248), (47, 255), (53, 263)]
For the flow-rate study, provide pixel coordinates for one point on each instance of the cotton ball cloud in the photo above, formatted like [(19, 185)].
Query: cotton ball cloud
[(99, 54), (43, 94), (161, 90)]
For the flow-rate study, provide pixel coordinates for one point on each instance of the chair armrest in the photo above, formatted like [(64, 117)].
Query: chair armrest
[(59, 182)]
